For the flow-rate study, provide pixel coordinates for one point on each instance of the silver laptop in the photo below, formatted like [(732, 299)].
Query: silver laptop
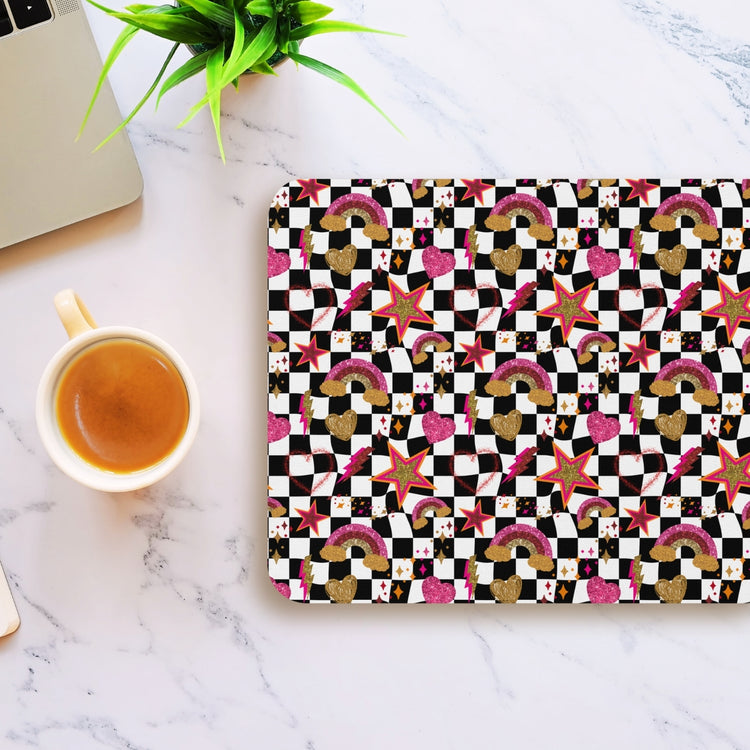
[(49, 65)]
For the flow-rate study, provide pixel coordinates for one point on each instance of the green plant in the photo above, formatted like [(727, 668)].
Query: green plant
[(227, 38)]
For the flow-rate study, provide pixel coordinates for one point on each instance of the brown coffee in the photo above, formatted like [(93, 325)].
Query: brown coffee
[(121, 405)]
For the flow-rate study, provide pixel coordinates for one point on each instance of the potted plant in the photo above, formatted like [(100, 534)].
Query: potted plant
[(227, 38)]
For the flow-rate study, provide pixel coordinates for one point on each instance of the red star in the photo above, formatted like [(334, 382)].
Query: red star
[(404, 473), (310, 189), (641, 518), (404, 308), (640, 353), (640, 189), (475, 189), (569, 308), (310, 518), (475, 353), (734, 308), (569, 473), (475, 518), (734, 473), (310, 352)]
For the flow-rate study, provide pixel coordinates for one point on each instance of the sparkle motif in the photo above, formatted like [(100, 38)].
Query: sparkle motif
[(310, 189), (475, 353), (404, 473), (734, 473), (640, 189), (734, 308), (475, 518), (404, 308), (569, 308), (475, 189), (311, 518), (640, 353), (569, 473), (311, 353), (641, 518)]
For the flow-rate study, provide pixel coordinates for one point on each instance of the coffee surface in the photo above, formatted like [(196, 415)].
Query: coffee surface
[(121, 405)]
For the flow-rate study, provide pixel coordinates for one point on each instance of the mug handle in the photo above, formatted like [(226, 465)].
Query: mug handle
[(74, 315)]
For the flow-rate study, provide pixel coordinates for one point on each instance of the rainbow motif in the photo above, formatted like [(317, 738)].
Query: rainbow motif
[(275, 342), (521, 535), (361, 371), (589, 507), (746, 517), (363, 206), (527, 372), (423, 507), (686, 204), (419, 187), (275, 508), (424, 342), (589, 341), (696, 373), (686, 535), (357, 535), (583, 187), (520, 204), (746, 351)]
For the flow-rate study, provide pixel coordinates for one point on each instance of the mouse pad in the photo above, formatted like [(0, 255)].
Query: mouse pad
[(509, 391)]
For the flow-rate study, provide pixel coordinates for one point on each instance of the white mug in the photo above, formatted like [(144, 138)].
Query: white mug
[(84, 334)]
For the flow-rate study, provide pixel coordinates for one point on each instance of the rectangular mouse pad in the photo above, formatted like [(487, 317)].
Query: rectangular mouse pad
[(509, 391)]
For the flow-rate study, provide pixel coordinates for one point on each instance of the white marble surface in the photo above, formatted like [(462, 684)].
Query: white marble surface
[(147, 619)]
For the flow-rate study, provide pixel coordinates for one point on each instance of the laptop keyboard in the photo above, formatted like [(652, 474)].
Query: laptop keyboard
[(23, 13)]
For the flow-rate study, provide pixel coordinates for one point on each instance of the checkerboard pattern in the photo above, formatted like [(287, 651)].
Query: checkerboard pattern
[(509, 391)]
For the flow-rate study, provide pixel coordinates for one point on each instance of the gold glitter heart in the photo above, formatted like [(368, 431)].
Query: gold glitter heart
[(343, 425), (508, 591), (671, 592), (342, 591), (342, 261), (672, 261), (672, 426), (507, 426), (507, 261)]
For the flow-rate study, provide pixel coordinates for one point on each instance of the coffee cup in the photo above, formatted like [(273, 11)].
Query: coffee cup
[(117, 408)]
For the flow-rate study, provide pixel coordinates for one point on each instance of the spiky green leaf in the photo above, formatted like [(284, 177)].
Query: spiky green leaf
[(187, 70), (341, 78), (307, 12), (173, 26), (327, 27), (212, 11), (145, 98), (214, 66), (117, 47), (261, 8)]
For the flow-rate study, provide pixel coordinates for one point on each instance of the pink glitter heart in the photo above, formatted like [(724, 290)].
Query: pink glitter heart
[(282, 588), (437, 428), (601, 263), (601, 592), (278, 427), (602, 427), (436, 263), (435, 592), (277, 262)]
